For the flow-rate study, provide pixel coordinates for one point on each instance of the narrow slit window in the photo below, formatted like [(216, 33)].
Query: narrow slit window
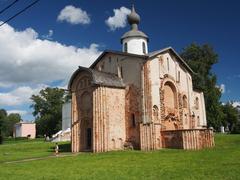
[(179, 76), (144, 47), (168, 64), (197, 103), (125, 47), (121, 69)]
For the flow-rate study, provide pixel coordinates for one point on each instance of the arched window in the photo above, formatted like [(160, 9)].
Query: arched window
[(155, 113), (198, 121), (125, 47), (197, 103), (170, 95), (144, 47), (184, 101), (85, 101)]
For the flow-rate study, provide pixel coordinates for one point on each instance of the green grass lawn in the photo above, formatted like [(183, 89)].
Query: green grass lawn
[(21, 149), (220, 162)]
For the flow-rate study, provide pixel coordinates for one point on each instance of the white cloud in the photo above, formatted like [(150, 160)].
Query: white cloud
[(119, 20), (223, 88), (24, 58), (21, 112), (49, 35), (74, 15), (19, 95)]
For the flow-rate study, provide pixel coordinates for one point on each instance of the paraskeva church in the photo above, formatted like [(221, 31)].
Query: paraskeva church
[(138, 99)]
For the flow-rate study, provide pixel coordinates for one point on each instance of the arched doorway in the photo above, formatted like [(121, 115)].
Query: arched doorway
[(85, 104)]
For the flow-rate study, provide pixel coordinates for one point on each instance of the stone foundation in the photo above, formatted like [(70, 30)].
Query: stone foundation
[(191, 139)]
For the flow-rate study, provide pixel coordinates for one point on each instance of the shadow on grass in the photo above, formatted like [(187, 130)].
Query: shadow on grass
[(65, 147), (62, 148)]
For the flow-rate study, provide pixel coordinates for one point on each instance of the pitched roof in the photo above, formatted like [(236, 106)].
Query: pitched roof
[(99, 78), (145, 57), (118, 53), (112, 80)]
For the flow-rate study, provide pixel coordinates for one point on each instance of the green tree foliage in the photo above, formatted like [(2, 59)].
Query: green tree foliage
[(201, 59), (48, 110), (3, 115), (7, 123), (12, 119), (236, 128), (230, 116)]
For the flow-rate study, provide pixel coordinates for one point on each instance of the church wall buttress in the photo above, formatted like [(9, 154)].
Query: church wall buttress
[(115, 99), (150, 139), (109, 119)]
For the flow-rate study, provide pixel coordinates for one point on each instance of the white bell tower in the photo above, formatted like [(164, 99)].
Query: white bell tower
[(134, 41)]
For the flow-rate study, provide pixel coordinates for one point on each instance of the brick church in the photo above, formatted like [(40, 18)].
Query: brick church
[(138, 99)]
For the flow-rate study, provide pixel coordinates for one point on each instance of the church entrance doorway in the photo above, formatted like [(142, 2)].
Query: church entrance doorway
[(89, 139)]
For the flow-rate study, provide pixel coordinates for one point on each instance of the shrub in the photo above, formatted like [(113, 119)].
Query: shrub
[(236, 128), (1, 139)]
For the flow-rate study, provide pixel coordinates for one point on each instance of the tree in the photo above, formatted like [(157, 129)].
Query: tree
[(201, 59), (7, 122), (236, 128), (230, 116), (3, 115), (11, 119), (48, 110)]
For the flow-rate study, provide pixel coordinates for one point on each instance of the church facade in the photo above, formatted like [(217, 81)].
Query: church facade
[(136, 99)]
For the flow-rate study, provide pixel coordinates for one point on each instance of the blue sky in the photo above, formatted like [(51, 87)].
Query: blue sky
[(39, 48)]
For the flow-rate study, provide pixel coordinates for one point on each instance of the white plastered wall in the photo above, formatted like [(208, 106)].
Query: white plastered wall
[(200, 112), (155, 80), (134, 45), (131, 67), (166, 64)]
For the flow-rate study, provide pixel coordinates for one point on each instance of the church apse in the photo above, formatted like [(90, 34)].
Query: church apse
[(98, 111)]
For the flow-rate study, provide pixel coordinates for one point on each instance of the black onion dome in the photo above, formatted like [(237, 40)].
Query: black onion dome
[(134, 20), (133, 17)]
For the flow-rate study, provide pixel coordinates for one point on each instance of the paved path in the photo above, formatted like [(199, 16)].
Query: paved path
[(41, 158)]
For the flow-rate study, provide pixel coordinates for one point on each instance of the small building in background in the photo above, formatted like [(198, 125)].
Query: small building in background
[(24, 129)]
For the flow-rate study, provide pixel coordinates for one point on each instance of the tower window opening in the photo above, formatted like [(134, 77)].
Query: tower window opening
[(144, 47), (125, 47)]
